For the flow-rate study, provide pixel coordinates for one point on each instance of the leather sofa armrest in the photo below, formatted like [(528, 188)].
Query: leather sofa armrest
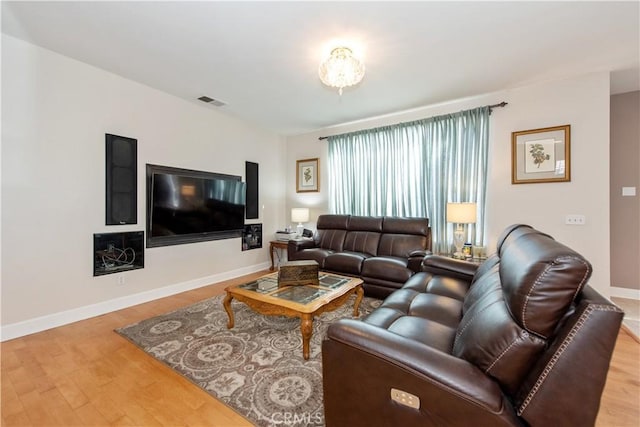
[(419, 253), (449, 388), (439, 265), (294, 246), (298, 245), (415, 259)]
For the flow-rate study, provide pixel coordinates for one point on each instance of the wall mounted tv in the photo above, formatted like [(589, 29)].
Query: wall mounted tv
[(186, 206)]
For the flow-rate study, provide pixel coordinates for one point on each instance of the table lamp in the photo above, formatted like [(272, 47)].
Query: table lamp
[(299, 215), (460, 214)]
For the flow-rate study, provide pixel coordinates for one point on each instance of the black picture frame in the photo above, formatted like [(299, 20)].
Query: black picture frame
[(252, 237)]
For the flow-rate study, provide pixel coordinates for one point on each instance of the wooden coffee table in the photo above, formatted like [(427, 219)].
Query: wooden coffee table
[(302, 301)]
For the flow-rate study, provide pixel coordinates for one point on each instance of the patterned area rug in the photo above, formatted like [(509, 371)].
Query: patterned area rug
[(256, 367)]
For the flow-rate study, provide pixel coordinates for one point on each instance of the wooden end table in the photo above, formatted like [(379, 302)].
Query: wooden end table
[(302, 301), (276, 244)]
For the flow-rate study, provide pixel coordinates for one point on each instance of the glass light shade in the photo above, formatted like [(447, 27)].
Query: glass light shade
[(341, 69)]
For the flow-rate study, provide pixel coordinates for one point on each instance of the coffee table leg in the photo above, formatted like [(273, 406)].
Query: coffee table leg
[(227, 307), (306, 326), (359, 295)]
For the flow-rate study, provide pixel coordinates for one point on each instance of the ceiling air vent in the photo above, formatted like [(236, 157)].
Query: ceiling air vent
[(212, 101)]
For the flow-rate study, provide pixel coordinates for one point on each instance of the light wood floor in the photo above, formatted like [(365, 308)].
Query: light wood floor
[(84, 374)]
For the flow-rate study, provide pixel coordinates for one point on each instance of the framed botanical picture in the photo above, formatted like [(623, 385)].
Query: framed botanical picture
[(541, 155), (307, 176)]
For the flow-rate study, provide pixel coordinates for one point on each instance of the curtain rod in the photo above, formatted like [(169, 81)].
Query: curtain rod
[(491, 107)]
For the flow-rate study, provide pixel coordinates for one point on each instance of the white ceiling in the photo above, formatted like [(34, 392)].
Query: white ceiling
[(261, 58)]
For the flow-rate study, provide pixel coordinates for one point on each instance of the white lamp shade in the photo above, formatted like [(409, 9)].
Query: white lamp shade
[(300, 214), (461, 213)]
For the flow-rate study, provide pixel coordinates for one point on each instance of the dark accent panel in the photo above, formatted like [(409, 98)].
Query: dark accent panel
[(252, 237), (117, 252), (121, 180), (251, 176)]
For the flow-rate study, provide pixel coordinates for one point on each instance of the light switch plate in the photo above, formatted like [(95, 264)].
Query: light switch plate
[(575, 220), (628, 191)]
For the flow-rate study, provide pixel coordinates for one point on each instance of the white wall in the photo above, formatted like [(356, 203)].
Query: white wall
[(55, 113), (582, 102)]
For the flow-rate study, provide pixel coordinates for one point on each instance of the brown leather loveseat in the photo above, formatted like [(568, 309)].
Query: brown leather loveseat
[(520, 340), (384, 251)]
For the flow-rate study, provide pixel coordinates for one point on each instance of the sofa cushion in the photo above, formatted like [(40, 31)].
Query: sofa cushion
[(400, 245), (386, 267), (417, 226), (365, 223), (419, 316), (419, 329), (540, 279), (489, 337), (401, 236), (365, 242), (335, 222), (487, 265), (331, 239), (316, 254), (345, 262), (438, 285), (331, 231)]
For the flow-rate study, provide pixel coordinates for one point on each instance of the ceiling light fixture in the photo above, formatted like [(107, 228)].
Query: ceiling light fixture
[(341, 69)]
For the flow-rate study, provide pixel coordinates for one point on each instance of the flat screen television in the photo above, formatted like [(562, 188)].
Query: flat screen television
[(186, 206)]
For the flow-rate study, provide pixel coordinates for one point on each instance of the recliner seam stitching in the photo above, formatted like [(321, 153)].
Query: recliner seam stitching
[(455, 341), (539, 279), (556, 356), (519, 338)]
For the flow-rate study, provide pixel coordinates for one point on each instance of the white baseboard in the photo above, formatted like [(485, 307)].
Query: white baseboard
[(38, 324), (625, 293)]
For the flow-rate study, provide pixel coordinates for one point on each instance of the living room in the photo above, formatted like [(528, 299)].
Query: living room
[(56, 111)]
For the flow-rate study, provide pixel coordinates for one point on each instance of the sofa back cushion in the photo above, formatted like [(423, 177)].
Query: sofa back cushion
[(415, 226), (540, 279), (363, 235), (515, 305), (331, 231), (401, 236), (489, 338)]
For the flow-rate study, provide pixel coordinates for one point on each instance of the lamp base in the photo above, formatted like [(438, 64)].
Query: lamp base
[(299, 230), (458, 242)]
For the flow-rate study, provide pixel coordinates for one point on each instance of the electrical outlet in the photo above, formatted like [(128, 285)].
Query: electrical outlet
[(404, 398), (120, 280), (575, 220)]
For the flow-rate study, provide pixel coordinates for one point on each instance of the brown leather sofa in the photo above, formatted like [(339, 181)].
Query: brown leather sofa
[(384, 251), (520, 340)]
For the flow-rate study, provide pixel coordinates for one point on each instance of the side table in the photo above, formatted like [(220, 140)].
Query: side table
[(471, 260), (273, 245)]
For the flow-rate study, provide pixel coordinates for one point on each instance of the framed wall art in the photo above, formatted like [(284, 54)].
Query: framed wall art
[(307, 176), (541, 155)]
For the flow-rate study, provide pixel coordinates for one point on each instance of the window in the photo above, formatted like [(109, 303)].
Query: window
[(413, 169)]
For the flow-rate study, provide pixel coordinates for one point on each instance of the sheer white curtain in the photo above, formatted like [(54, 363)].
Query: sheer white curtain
[(413, 169)]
